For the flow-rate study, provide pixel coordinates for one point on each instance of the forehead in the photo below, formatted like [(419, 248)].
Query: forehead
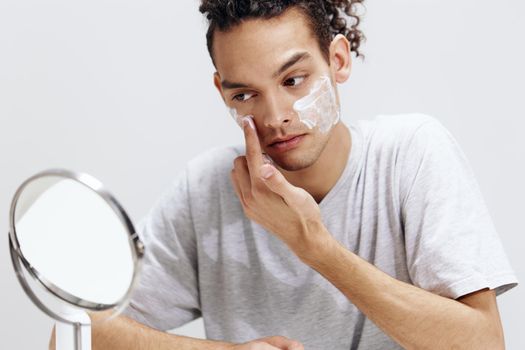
[(258, 46)]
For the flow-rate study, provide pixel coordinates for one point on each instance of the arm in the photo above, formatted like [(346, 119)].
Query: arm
[(413, 317), (125, 333)]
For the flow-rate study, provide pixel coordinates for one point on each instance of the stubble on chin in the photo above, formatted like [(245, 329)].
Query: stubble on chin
[(303, 158)]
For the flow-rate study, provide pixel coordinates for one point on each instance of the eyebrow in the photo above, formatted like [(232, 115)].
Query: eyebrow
[(297, 57)]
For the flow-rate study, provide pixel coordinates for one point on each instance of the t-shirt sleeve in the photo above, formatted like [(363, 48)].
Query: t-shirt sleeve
[(452, 246), (167, 294)]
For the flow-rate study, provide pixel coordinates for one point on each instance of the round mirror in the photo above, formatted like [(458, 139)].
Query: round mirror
[(75, 239)]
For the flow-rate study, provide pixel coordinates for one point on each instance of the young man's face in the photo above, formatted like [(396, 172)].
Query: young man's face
[(263, 67)]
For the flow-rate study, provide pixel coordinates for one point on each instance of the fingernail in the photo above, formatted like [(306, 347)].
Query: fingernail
[(248, 120), (266, 171)]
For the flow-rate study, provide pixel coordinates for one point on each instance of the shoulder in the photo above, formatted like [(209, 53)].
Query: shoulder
[(210, 170), (203, 182), (397, 132), (214, 161), (396, 126)]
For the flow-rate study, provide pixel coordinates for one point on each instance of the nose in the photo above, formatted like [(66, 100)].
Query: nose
[(277, 113)]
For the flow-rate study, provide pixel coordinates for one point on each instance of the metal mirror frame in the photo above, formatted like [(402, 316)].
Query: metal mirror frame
[(20, 262)]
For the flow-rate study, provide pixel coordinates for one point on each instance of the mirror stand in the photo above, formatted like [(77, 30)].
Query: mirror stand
[(75, 336), (73, 326)]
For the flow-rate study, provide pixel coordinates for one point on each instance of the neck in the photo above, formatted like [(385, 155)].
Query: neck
[(319, 178)]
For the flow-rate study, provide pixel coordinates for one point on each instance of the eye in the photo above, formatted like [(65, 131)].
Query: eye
[(294, 81), (243, 97)]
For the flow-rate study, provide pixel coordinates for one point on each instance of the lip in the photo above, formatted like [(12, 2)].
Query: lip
[(281, 139), (287, 143)]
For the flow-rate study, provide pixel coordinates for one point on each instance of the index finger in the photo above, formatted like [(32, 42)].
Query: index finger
[(254, 156)]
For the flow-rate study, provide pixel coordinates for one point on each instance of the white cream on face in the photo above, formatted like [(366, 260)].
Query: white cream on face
[(319, 107), (236, 116), (238, 119)]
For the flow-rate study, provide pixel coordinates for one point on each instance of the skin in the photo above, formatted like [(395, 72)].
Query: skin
[(122, 333), (284, 199), (250, 55), (286, 202)]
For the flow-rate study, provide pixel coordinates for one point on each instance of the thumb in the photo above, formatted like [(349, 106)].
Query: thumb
[(277, 183)]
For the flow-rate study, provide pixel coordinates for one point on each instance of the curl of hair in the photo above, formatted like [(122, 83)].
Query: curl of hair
[(327, 18), (337, 11)]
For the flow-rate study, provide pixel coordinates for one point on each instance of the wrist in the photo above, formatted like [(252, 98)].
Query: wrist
[(315, 245)]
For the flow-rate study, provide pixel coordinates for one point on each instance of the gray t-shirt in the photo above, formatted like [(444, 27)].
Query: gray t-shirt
[(407, 202)]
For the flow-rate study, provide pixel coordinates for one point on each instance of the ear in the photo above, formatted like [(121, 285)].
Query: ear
[(217, 83), (340, 58)]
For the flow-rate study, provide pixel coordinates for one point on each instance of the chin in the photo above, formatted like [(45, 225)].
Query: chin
[(302, 157), (293, 165), (294, 161)]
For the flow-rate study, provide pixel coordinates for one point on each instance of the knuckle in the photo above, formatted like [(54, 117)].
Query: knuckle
[(242, 198), (238, 161), (278, 338), (246, 207), (249, 197), (295, 345), (257, 189), (256, 345)]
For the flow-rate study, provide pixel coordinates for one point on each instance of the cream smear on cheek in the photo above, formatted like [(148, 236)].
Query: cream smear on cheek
[(319, 107), (238, 119), (236, 116)]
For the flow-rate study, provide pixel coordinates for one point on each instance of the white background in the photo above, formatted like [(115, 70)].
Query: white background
[(123, 90)]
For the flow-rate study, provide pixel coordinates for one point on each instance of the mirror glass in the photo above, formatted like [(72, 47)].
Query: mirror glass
[(73, 241)]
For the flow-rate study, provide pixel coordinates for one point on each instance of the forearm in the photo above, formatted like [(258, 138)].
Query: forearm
[(413, 317), (124, 333)]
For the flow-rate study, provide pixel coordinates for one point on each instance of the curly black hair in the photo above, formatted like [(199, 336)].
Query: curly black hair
[(326, 18)]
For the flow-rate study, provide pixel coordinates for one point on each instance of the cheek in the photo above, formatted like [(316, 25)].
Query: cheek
[(236, 116), (259, 111), (319, 108)]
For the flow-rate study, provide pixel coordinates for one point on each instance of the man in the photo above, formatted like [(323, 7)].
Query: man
[(371, 235)]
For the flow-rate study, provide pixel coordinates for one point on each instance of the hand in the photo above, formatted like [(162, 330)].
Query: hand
[(270, 343), (269, 199)]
